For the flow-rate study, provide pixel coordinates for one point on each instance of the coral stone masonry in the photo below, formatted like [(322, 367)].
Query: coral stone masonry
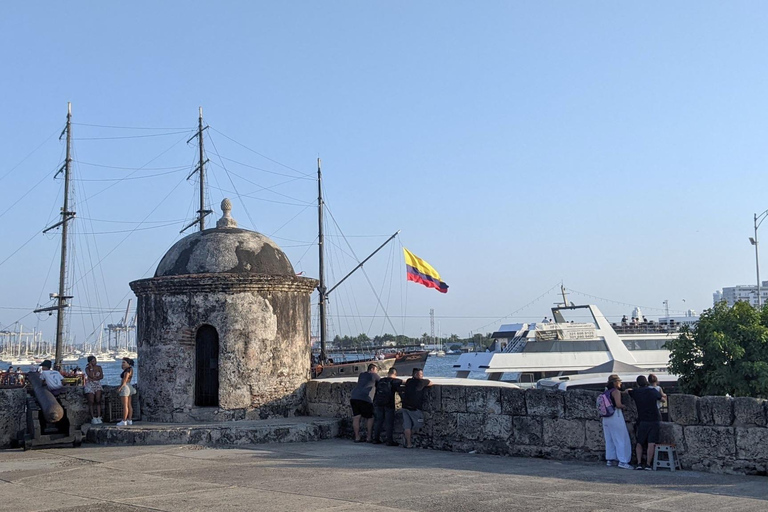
[(223, 329)]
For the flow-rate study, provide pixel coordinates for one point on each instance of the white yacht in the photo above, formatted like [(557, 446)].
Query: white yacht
[(533, 351)]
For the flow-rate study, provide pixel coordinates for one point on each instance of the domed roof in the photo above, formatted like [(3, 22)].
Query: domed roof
[(225, 249)]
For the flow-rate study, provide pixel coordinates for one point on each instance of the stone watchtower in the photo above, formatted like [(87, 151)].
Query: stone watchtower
[(223, 329)]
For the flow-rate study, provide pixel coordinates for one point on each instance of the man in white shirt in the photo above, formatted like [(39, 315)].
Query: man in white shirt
[(52, 378)]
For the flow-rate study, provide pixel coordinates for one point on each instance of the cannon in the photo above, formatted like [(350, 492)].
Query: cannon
[(47, 421)]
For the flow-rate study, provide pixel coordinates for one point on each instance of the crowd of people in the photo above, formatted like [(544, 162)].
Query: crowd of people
[(373, 399), (648, 397)]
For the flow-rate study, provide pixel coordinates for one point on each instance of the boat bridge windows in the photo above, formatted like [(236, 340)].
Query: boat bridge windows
[(645, 344), (566, 346)]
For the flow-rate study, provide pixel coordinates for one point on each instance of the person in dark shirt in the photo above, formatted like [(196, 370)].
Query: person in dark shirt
[(384, 407), (413, 399), (362, 401), (648, 420)]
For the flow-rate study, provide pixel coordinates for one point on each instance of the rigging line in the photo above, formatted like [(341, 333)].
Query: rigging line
[(128, 230), (309, 175), (136, 221), (137, 170), (213, 143), (128, 179), (264, 170), (480, 329), (129, 234), (249, 196), (29, 191), (624, 303), (132, 136), (262, 187), (131, 127), (289, 221), (361, 268), (20, 248), (30, 154), (176, 167), (305, 252)]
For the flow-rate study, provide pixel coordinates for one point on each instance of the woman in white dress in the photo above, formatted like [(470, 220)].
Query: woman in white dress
[(618, 448)]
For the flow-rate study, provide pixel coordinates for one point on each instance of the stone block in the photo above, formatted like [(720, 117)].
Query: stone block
[(672, 433), (749, 412), (581, 404), (715, 410), (497, 427), (13, 404), (470, 425), (541, 402), (527, 430), (445, 426), (484, 400), (752, 444), (683, 410), (630, 408), (513, 401), (432, 399), (312, 390), (594, 439), (454, 398), (564, 433), (704, 443)]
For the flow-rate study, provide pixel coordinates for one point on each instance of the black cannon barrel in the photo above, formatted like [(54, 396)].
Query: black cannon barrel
[(52, 410)]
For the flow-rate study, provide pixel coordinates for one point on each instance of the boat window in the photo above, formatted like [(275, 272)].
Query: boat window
[(645, 344), (566, 346)]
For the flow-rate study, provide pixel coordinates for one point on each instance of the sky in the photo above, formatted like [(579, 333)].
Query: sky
[(618, 149)]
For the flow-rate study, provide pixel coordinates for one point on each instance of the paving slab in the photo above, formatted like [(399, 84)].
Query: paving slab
[(339, 476)]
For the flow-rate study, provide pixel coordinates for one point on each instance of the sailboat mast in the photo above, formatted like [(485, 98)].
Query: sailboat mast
[(66, 215), (202, 169), (321, 248)]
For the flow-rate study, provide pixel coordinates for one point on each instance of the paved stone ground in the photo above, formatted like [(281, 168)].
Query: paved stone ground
[(341, 476)]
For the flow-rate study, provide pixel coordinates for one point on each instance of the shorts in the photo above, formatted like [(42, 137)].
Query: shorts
[(92, 386), (362, 408), (126, 390), (648, 432), (412, 420)]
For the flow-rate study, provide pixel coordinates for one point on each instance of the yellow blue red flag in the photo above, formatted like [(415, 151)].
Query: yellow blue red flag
[(419, 271)]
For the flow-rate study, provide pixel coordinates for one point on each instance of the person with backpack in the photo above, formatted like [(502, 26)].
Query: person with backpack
[(362, 401), (618, 448), (384, 407)]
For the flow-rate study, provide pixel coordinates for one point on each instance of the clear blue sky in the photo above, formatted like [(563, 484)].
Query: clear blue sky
[(619, 148)]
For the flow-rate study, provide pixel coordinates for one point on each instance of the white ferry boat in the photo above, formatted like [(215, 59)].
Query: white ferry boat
[(533, 351)]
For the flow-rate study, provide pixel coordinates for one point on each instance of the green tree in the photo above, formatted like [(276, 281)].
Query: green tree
[(726, 352)]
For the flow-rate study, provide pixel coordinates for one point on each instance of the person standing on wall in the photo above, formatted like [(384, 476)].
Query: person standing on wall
[(384, 407), (362, 401), (125, 391), (648, 420), (618, 447), (413, 400)]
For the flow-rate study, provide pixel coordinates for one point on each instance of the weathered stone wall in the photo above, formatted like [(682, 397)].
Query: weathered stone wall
[(13, 407), (264, 353), (717, 434)]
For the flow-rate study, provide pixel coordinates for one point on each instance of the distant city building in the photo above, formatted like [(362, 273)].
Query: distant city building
[(741, 293)]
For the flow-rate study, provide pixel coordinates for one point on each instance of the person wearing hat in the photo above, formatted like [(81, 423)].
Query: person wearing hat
[(618, 448), (52, 378)]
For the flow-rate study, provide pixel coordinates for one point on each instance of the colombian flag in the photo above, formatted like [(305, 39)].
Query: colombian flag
[(419, 271)]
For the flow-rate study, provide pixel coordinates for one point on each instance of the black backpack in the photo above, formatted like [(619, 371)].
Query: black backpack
[(384, 392)]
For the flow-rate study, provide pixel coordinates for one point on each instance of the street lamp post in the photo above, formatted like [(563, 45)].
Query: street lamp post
[(758, 220)]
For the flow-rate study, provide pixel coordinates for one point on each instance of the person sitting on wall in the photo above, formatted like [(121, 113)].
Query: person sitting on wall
[(52, 378), (648, 420), (93, 389), (413, 400), (362, 401)]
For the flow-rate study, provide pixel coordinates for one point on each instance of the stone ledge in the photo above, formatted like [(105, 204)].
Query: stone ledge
[(232, 433), (229, 283)]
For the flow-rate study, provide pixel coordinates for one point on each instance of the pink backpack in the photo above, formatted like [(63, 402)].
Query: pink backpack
[(604, 405)]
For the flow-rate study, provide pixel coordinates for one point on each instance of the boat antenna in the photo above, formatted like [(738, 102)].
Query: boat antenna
[(66, 216), (202, 212), (321, 262), (565, 295)]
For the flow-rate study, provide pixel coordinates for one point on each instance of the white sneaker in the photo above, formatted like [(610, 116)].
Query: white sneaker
[(611, 463), (99, 420), (121, 424), (94, 421), (130, 422), (624, 465)]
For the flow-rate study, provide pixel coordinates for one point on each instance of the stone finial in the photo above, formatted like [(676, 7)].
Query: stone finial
[(226, 220)]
